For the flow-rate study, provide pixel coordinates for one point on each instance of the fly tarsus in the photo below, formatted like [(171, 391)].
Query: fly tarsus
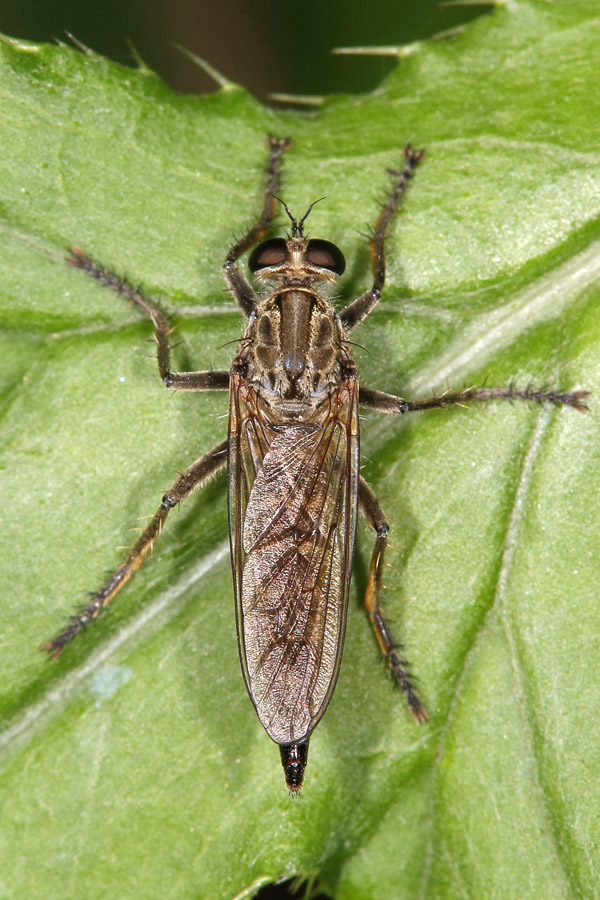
[(390, 403), (575, 399), (402, 678), (82, 619)]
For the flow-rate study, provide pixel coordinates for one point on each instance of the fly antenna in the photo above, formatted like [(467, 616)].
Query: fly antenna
[(306, 215), (297, 227), (292, 219)]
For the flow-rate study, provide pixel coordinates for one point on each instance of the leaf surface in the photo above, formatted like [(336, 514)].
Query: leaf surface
[(135, 765)]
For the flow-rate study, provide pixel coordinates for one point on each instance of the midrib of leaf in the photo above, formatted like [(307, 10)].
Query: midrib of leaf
[(510, 542), (528, 715), (514, 518), (547, 297)]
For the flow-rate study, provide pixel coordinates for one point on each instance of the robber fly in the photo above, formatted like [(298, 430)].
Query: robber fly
[(292, 454)]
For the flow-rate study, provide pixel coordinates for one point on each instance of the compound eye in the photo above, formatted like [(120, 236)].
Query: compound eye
[(326, 255), (269, 253)]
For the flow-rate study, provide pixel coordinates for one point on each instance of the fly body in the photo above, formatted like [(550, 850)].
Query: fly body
[(293, 476), (292, 453)]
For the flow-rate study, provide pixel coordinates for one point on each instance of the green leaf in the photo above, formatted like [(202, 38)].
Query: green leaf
[(134, 766)]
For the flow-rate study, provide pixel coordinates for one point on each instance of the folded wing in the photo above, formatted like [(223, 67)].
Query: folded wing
[(293, 493)]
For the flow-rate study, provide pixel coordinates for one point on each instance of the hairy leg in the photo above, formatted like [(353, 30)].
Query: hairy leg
[(360, 308), (192, 478), (375, 516)]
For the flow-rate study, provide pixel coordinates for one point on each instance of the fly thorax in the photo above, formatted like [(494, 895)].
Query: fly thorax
[(296, 344)]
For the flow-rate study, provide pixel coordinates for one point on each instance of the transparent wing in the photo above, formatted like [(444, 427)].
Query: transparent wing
[(293, 501)]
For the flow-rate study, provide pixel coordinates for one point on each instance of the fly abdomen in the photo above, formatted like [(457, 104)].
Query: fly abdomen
[(293, 759)]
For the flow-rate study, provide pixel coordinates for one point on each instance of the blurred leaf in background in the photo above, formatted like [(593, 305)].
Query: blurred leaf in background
[(265, 45), (135, 766)]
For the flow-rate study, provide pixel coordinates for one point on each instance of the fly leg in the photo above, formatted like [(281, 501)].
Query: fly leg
[(360, 308), (181, 381), (237, 283), (375, 516), (389, 403), (192, 478)]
